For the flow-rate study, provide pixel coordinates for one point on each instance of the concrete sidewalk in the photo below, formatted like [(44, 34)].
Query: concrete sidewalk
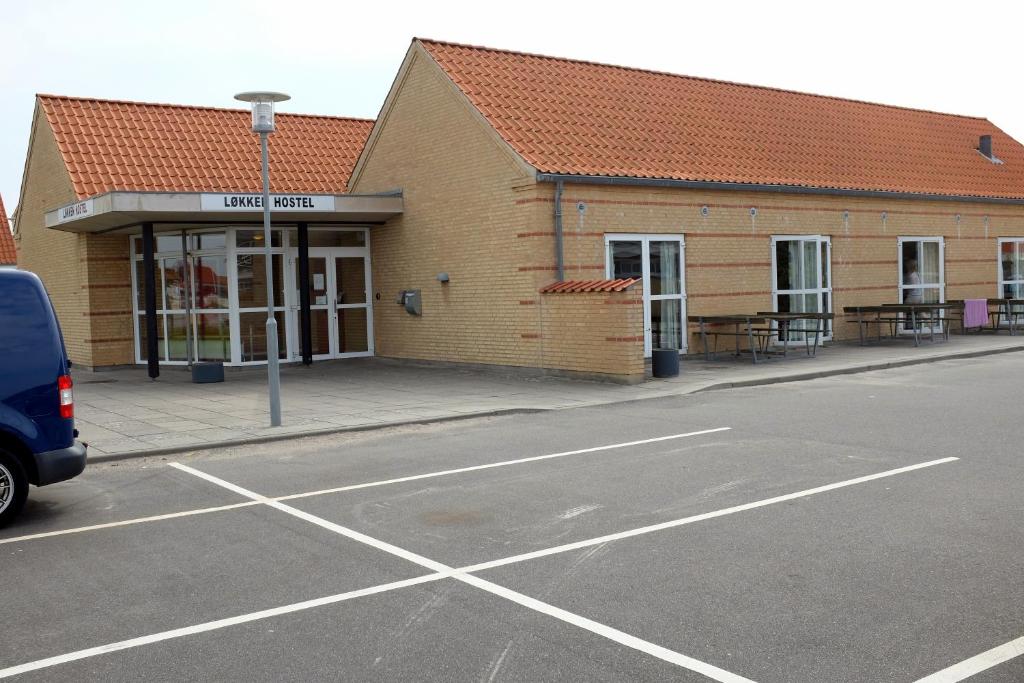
[(123, 413)]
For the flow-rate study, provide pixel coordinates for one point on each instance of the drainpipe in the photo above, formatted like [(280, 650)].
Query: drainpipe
[(559, 255)]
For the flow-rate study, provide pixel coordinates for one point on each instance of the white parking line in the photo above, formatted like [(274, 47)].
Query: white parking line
[(353, 487), (698, 518), (319, 521), (711, 671), (978, 663), (608, 632), (463, 573), (505, 463), (213, 625), (128, 522)]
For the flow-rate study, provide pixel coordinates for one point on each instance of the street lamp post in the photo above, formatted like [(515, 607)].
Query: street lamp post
[(263, 123)]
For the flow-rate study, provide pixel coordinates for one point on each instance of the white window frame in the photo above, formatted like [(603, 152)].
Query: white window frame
[(1001, 282), (819, 290), (161, 304), (279, 306), (645, 256), (332, 253), (940, 285), (196, 312), (288, 306)]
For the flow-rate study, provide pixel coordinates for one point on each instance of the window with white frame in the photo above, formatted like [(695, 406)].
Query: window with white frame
[(802, 279), (251, 278), (658, 260), (922, 275), (1011, 267), (211, 302), (192, 302)]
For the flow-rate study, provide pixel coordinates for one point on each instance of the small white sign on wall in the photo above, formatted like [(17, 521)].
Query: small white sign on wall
[(74, 211), (318, 281)]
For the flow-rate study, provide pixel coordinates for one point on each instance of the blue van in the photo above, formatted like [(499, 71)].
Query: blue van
[(37, 410)]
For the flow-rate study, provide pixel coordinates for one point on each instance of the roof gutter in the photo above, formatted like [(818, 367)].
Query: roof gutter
[(758, 187)]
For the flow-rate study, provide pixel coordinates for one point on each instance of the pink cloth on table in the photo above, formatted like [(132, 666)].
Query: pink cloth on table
[(975, 312)]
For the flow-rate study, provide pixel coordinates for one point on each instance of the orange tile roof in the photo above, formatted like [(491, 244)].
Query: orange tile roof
[(111, 145), (577, 286), (8, 254), (573, 117)]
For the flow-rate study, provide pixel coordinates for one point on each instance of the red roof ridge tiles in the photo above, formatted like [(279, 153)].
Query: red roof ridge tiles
[(577, 118), (8, 252), (199, 107), (114, 145), (581, 286), (705, 79)]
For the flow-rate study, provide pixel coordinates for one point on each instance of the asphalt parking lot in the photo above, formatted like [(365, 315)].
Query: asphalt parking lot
[(857, 528)]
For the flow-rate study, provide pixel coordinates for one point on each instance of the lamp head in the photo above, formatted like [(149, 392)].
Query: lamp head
[(262, 108)]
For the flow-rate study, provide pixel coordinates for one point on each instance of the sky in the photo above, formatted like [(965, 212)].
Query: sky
[(340, 58)]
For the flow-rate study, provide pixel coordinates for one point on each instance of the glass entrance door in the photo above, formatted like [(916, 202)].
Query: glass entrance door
[(922, 276), (801, 283), (320, 314), (658, 261), (339, 302)]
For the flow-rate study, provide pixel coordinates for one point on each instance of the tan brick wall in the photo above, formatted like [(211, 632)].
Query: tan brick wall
[(88, 277), (109, 280), (728, 252), (470, 211), (596, 333), (461, 217)]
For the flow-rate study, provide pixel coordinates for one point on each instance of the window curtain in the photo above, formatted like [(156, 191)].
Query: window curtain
[(668, 254), (810, 266), (929, 265), (795, 265)]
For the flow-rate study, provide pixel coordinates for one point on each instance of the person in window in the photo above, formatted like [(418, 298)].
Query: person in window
[(1008, 275), (912, 295)]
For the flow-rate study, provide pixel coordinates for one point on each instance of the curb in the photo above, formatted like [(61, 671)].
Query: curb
[(856, 369), (270, 438), (764, 381)]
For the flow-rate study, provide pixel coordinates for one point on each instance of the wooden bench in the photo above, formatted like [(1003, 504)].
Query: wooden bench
[(881, 315), (1009, 310), (784, 321), (899, 315), (758, 329), (753, 334)]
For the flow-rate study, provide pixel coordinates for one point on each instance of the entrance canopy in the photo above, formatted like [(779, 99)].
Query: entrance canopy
[(122, 212), (204, 296)]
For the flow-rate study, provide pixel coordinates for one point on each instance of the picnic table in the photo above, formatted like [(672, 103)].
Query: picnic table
[(1010, 310), (897, 315), (758, 330)]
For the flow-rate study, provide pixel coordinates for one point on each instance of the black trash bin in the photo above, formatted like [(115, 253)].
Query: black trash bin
[(204, 373), (665, 362)]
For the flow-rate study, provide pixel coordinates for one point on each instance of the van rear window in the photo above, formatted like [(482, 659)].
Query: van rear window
[(26, 326)]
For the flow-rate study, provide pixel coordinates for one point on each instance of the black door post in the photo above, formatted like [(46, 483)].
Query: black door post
[(149, 275), (305, 320)]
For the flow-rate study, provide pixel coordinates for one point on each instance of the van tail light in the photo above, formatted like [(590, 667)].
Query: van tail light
[(67, 396)]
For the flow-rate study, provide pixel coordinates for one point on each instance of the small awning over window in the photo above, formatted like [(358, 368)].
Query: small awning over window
[(115, 212), (578, 286)]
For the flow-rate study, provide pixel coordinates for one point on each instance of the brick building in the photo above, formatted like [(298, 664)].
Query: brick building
[(546, 212)]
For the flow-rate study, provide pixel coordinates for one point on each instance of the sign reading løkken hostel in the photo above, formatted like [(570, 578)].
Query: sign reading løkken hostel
[(278, 202), (75, 211)]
